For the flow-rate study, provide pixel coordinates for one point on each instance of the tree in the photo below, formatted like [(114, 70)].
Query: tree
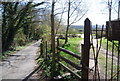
[(73, 15), (111, 8), (14, 16)]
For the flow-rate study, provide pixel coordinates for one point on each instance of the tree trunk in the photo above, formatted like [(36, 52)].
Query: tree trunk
[(68, 24), (53, 39), (9, 39)]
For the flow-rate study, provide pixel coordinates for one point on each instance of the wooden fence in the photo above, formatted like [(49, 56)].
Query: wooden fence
[(84, 66)]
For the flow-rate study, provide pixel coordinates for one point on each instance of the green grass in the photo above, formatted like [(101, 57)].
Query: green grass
[(72, 45), (102, 58), (110, 45), (102, 63)]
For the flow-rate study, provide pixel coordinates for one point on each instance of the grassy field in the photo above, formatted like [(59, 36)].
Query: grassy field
[(72, 45), (110, 45)]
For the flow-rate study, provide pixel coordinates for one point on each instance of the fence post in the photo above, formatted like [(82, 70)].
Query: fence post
[(41, 47), (58, 52), (46, 51), (85, 50), (57, 42)]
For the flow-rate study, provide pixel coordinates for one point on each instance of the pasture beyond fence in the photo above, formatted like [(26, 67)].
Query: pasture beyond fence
[(106, 61)]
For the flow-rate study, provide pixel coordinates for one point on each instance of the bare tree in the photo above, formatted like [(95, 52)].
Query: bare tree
[(75, 13)]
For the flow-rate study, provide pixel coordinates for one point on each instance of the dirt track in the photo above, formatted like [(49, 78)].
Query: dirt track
[(20, 64)]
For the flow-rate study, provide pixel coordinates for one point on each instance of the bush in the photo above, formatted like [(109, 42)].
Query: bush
[(20, 39)]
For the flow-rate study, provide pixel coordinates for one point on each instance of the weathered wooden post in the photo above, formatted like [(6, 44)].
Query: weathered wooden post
[(53, 40), (41, 47), (46, 50), (58, 52), (58, 45), (86, 50)]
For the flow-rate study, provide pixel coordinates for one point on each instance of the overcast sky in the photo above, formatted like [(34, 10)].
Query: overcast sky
[(98, 12)]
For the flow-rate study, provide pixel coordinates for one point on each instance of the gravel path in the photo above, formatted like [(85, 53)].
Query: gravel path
[(20, 64)]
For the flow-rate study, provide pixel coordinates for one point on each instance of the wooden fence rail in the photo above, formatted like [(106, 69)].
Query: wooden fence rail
[(68, 69), (74, 65), (69, 52), (70, 62)]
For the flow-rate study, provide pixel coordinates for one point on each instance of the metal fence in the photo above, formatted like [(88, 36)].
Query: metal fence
[(106, 54)]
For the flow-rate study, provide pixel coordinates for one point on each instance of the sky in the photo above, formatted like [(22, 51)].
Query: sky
[(95, 13), (98, 12)]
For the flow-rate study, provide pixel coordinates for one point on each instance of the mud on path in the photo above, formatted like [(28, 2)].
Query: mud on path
[(20, 64)]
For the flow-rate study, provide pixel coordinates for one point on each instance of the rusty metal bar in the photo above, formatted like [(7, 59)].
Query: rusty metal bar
[(118, 65), (107, 33), (70, 62), (96, 60), (73, 73), (69, 52), (112, 59)]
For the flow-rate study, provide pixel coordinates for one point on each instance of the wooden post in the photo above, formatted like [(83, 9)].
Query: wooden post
[(46, 51), (85, 50), (57, 42), (58, 52), (53, 40), (41, 48)]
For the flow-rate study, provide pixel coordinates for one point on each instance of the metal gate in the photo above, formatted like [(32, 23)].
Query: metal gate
[(101, 52)]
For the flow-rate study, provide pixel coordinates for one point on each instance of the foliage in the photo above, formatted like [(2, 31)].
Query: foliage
[(15, 15), (73, 31), (45, 29), (47, 63), (20, 38), (47, 67)]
